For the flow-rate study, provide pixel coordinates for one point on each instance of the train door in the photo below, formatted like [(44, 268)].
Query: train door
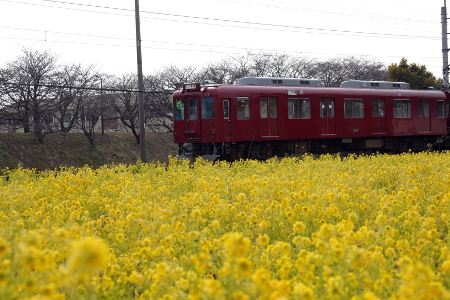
[(192, 124), (269, 117), (424, 115), (227, 132), (327, 119), (378, 116)]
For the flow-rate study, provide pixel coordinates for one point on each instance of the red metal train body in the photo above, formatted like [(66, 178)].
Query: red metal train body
[(260, 121)]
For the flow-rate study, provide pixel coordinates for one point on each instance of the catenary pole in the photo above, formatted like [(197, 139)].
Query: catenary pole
[(140, 88), (102, 106), (444, 45)]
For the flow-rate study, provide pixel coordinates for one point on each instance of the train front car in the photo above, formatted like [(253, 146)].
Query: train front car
[(213, 122), (194, 129), (243, 121)]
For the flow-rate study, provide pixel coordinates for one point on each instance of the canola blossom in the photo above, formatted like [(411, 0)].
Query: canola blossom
[(361, 228)]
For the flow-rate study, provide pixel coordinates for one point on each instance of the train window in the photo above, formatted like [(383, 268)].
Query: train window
[(243, 108), (263, 107), (207, 108), (402, 108), (440, 109), (327, 108), (273, 107), (226, 109), (424, 108), (192, 108), (378, 108), (353, 108), (323, 108), (348, 108), (299, 108), (178, 108)]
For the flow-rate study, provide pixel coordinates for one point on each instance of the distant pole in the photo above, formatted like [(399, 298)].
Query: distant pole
[(140, 87), (444, 44)]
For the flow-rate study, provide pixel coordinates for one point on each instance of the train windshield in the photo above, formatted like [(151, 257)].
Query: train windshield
[(207, 108), (192, 108), (178, 107)]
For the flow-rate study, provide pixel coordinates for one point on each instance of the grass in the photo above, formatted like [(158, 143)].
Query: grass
[(73, 149)]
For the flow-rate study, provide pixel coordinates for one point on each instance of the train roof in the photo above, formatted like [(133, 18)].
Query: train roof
[(244, 91), (241, 90), (275, 81), (375, 84)]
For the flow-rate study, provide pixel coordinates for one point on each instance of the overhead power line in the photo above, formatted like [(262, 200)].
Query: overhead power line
[(298, 6), (83, 88), (130, 10), (128, 39), (229, 22), (210, 50), (98, 9)]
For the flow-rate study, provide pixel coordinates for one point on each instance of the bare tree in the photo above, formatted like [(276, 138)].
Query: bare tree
[(159, 88), (331, 72), (334, 71), (301, 67), (73, 80), (218, 73), (90, 111), (158, 101), (125, 102), (28, 90), (240, 67), (280, 64), (368, 69), (266, 64), (261, 65), (173, 78)]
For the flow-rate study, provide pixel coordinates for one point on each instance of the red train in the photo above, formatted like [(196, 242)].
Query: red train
[(264, 117)]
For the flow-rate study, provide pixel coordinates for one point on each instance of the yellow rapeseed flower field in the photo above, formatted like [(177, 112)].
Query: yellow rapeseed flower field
[(370, 227)]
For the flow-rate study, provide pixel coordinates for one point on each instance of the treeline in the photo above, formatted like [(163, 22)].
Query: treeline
[(39, 95)]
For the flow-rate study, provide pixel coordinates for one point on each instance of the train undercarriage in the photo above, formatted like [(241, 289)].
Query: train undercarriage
[(262, 150)]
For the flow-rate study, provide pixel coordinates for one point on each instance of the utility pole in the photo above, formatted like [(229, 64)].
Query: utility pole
[(140, 87), (102, 105), (444, 45)]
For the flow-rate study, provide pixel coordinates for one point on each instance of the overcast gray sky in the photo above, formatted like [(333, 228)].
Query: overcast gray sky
[(198, 32)]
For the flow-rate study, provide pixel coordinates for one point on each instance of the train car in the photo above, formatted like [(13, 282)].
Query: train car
[(264, 117)]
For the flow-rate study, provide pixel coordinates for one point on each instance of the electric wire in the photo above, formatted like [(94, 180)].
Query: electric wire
[(275, 27), (213, 48), (335, 15), (123, 9), (83, 88), (205, 51)]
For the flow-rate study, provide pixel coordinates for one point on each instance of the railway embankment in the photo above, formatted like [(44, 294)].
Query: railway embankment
[(73, 149)]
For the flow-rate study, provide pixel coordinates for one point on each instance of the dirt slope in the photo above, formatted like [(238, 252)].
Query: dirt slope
[(74, 149)]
